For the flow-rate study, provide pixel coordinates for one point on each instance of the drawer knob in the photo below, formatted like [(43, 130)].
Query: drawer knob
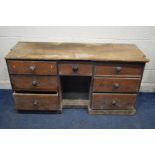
[(75, 68), (34, 83), (113, 102), (116, 85), (118, 69), (35, 102), (32, 68)]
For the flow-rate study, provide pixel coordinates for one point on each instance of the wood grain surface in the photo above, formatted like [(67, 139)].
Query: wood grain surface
[(76, 51), (119, 69), (75, 69), (111, 101), (34, 83), (32, 67), (47, 102), (102, 84)]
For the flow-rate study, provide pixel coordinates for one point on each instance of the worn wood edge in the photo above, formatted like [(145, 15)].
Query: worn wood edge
[(111, 112), (33, 94), (18, 110), (97, 60), (75, 103)]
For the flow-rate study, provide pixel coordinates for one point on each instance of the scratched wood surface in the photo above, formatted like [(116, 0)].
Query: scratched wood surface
[(112, 101), (128, 85), (34, 83), (76, 51), (47, 102)]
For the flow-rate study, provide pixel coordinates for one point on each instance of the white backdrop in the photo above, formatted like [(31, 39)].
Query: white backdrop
[(143, 37)]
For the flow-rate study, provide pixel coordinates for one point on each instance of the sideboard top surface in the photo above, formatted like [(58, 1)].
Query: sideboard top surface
[(76, 51)]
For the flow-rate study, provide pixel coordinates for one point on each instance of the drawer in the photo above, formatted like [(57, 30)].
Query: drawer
[(34, 83), (32, 67), (119, 69), (75, 69), (113, 101), (47, 102), (102, 84)]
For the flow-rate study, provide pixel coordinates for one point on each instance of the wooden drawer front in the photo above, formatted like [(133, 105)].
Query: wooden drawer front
[(32, 67), (46, 102), (75, 69), (108, 69), (32, 83), (116, 84), (113, 101)]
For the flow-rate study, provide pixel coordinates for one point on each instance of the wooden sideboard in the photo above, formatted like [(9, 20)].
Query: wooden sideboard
[(104, 78)]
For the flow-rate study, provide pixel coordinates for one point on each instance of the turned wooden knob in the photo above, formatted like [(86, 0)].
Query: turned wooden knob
[(32, 68), (113, 102), (116, 85), (35, 102), (75, 68), (118, 69), (34, 83)]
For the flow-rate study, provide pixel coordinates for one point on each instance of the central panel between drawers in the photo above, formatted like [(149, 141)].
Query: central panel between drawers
[(75, 80)]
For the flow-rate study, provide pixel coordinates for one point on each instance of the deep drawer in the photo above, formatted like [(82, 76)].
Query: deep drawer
[(102, 84), (34, 83), (32, 67), (119, 69), (75, 69), (113, 101), (47, 102)]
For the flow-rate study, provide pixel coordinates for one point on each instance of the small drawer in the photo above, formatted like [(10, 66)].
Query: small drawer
[(75, 69), (113, 101), (119, 69), (34, 83), (38, 102), (32, 67), (103, 84)]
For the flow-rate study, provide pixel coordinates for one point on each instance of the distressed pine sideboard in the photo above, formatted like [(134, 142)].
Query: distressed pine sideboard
[(104, 78)]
